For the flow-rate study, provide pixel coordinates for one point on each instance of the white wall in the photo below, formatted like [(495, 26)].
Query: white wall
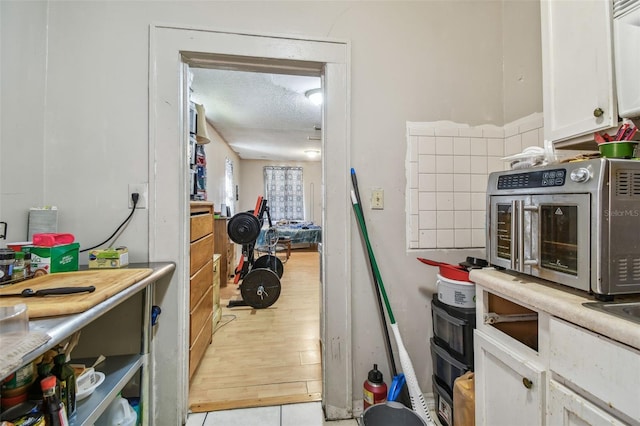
[(75, 118), (252, 185), (522, 57), (217, 151)]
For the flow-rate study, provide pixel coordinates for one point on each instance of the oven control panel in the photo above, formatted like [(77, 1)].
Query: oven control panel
[(533, 179)]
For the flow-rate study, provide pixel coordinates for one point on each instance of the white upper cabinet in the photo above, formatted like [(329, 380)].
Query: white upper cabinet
[(577, 68)]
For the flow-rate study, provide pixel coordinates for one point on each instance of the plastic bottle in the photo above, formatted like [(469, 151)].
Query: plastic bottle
[(54, 411), (35, 391), (65, 374), (374, 388)]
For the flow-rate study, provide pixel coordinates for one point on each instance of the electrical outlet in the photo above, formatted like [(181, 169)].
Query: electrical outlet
[(377, 199), (143, 190)]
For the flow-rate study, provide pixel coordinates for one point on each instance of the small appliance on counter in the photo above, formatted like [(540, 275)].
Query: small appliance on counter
[(574, 223)]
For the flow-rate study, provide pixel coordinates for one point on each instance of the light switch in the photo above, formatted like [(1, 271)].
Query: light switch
[(377, 199)]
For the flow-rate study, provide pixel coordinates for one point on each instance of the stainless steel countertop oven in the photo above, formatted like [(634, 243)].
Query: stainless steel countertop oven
[(575, 224)]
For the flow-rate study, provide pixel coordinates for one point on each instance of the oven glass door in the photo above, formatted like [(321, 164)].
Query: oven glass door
[(560, 242), (503, 232)]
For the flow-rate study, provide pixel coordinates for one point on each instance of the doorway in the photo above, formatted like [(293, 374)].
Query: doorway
[(262, 357), (171, 48)]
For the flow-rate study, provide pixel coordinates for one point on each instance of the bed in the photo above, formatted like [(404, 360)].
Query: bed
[(299, 232)]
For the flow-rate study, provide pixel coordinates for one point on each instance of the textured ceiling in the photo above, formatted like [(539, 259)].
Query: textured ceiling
[(261, 116)]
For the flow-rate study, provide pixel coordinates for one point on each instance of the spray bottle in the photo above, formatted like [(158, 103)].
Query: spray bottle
[(374, 388)]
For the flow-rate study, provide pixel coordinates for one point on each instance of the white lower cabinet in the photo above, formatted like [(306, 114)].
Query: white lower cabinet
[(567, 408), (605, 373), (510, 389)]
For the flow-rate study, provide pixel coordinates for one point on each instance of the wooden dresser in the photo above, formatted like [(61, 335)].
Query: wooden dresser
[(217, 309), (201, 282), (226, 248)]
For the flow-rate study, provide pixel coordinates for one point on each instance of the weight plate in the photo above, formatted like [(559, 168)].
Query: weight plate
[(270, 262), (243, 228), (260, 288)]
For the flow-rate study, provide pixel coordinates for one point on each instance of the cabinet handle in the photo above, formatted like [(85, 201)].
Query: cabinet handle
[(598, 112), (527, 383)]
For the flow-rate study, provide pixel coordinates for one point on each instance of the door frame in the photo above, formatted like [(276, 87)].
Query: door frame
[(171, 49)]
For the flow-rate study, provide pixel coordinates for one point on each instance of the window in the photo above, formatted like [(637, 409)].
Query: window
[(228, 186), (283, 189)]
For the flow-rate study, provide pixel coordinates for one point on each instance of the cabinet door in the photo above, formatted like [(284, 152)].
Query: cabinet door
[(567, 408), (509, 388), (577, 68), (606, 370)]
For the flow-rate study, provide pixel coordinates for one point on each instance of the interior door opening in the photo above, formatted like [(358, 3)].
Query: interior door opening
[(225, 92)]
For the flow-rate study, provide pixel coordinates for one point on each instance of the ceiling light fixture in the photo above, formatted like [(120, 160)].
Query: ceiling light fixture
[(314, 95), (312, 153)]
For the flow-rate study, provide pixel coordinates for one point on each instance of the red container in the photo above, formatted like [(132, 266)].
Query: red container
[(452, 272)]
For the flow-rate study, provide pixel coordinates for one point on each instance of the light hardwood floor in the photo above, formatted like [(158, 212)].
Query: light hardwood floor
[(262, 357)]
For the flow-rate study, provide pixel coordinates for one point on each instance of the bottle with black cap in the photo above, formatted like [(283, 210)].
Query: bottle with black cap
[(374, 388)]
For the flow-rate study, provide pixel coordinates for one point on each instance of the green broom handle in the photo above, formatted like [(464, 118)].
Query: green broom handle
[(372, 258)]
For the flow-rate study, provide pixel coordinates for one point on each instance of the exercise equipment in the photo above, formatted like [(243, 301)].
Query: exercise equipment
[(260, 287)]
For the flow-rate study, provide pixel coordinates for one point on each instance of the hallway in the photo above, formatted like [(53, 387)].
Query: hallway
[(265, 357)]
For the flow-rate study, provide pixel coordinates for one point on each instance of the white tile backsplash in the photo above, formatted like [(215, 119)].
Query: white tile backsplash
[(447, 170), (462, 238), (426, 163), (461, 182), (426, 201), (444, 201), (462, 220), (446, 131), (426, 145), (444, 182), (445, 219), (472, 132), (444, 164), (444, 238), (478, 147), (413, 146), (413, 172), (428, 239), (478, 165), (428, 219), (462, 202), (444, 145), (530, 138), (495, 147), (427, 182), (461, 145), (479, 201), (461, 164)]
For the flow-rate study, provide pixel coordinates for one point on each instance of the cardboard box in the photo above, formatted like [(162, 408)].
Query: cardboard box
[(45, 260), (109, 258)]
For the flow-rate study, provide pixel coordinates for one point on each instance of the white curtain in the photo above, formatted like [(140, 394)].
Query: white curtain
[(229, 192), (284, 191)]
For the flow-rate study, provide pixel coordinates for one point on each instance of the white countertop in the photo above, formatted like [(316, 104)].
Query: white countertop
[(559, 301)]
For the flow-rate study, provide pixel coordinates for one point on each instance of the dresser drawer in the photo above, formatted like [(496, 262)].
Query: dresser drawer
[(201, 225), (200, 344), (200, 314), (201, 252), (200, 283)]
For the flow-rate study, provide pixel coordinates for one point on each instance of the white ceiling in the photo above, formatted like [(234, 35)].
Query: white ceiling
[(261, 116)]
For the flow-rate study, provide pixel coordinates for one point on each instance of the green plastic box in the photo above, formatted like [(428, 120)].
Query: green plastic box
[(48, 260)]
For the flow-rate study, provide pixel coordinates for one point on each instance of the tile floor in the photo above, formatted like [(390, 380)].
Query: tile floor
[(306, 414)]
